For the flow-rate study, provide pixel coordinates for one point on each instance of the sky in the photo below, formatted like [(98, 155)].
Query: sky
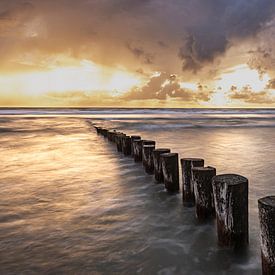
[(137, 53)]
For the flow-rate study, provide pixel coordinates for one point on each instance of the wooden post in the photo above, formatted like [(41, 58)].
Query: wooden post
[(104, 132), (157, 163), (119, 137), (132, 145), (267, 225), (137, 150), (148, 142), (202, 182), (170, 169), (97, 129), (126, 145), (110, 135), (147, 158), (231, 203), (113, 135), (187, 164)]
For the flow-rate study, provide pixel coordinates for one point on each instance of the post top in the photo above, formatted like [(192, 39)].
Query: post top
[(162, 150), (137, 141), (148, 142), (135, 137), (230, 179), (268, 201), (149, 146), (191, 159), (169, 155), (204, 169)]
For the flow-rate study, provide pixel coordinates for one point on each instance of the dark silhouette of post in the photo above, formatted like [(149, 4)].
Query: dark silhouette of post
[(132, 145), (157, 163), (97, 129), (202, 182), (187, 164), (119, 138), (267, 225), (137, 150), (114, 136), (148, 142), (126, 145), (231, 204), (104, 132), (147, 158), (170, 170), (110, 135)]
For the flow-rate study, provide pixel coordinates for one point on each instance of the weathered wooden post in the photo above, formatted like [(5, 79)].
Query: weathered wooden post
[(126, 145), (147, 158), (98, 130), (187, 164), (110, 135), (170, 169), (132, 145), (137, 153), (202, 182), (267, 226), (113, 135), (157, 163), (104, 132), (119, 137), (231, 203), (148, 142), (137, 148)]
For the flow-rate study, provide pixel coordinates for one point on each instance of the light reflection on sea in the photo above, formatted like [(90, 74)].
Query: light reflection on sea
[(71, 204)]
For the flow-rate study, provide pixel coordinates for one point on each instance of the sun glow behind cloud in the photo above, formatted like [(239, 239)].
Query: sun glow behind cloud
[(86, 83), (87, 77), (241, 76), (238, 78)]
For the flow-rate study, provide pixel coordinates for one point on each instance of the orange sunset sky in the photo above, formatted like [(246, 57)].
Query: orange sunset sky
[(137, 53)]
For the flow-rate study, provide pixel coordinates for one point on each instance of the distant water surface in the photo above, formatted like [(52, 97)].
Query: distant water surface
[(70, 204)]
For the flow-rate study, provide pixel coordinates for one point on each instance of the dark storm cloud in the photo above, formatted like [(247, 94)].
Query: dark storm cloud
[(222, 22), (197, 31), (139, 52), (200, 48)]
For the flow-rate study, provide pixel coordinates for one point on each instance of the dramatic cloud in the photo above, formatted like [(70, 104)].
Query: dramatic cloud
[(271, 84), (247, 95), (140, 53), (127, 31), (165, 86), (196, 40)]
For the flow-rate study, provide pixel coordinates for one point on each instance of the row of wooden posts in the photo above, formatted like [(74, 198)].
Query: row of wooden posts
[(222, 196)]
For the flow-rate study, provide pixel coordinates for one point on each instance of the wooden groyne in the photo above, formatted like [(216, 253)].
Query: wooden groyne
[(267, 225), (224, 197)]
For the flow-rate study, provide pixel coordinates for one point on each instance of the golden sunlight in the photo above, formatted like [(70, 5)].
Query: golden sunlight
[(87, 76), (241, 76)]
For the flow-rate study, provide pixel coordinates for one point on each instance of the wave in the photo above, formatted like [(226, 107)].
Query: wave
[(156, 118), (121, 111)]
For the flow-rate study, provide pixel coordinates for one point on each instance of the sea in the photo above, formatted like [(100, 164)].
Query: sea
[(71, 204)]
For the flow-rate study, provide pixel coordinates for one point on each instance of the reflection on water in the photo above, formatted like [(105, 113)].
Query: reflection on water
[(71, 204)]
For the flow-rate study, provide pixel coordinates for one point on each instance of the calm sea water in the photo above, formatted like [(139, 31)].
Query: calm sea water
[(70, 204)]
